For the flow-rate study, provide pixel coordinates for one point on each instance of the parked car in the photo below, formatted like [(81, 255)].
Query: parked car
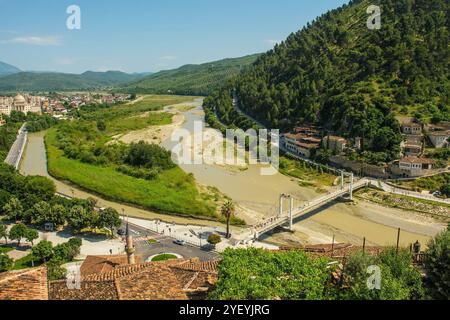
[(179, 242), (437, 194), (121, 232)]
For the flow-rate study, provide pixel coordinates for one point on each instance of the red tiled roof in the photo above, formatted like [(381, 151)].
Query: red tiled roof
[(414, 160), (168, 280), (440, 133), (103, 264), (30, 284)]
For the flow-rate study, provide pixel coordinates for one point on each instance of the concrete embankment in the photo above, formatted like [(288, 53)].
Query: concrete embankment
[(15, 153)]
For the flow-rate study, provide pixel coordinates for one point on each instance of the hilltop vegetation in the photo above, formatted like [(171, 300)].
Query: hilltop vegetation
[(337, 73), (191, 79)]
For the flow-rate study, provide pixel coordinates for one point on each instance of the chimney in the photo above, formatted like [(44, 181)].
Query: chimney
[(130, 247)]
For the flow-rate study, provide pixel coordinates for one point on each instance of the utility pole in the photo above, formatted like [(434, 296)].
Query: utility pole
[(351, 186), (398, 240), (291, 212)]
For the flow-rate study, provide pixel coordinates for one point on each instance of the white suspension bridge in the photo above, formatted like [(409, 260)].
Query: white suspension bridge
[(285, 218)]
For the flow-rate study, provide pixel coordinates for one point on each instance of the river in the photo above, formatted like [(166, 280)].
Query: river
[(257, 197)]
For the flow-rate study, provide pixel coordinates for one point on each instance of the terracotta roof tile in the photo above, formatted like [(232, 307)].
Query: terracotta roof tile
[(169, 280), (103, 264), (30, 284)]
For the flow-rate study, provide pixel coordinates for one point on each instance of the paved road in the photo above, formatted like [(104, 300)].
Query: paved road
[(15, 153), (165, 245)]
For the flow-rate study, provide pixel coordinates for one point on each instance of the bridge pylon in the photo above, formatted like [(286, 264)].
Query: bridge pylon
[(290, 209)]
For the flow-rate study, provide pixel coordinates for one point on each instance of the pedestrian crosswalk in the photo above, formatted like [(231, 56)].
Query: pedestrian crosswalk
[(147, 240)]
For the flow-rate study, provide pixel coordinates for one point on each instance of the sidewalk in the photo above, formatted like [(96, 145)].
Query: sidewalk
[(194, 235)]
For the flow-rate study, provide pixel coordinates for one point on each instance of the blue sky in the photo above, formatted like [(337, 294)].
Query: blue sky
[(145, 35)]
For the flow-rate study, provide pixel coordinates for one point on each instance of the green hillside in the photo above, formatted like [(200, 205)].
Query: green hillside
[(337, 73), (191, 79), (34, 81)]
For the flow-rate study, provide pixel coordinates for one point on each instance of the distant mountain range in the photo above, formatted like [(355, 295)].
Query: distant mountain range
[(7, 69), (49, 81), (191, 79), (187, 80)]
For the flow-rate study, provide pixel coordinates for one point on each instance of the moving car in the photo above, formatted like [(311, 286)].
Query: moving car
[(179, 242)]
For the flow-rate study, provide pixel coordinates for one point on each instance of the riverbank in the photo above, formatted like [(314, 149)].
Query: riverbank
[(257, 198)]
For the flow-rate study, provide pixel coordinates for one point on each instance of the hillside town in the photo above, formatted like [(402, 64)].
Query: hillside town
[(57, 105), (304, 142)]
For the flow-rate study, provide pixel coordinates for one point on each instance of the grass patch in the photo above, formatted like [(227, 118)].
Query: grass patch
[(308, 175), (173, 191), (6, 248), (430, 183), (164, 257), (117, 126), (25, 263), (437, 210)]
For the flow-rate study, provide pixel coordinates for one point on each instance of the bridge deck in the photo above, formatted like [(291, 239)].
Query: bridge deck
[(307, 207)]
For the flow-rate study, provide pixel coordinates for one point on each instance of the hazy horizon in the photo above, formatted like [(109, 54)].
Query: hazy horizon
[(145, 36)]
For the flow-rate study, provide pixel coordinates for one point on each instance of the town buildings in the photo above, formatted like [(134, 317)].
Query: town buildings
[(334, 143), (440, 139), (302, 142), (21, 103), (411, 167)]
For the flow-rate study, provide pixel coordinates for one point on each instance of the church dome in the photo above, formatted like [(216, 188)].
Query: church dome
[(19, 99)]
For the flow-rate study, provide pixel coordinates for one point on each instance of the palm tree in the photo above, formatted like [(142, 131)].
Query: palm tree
[(228, 210)]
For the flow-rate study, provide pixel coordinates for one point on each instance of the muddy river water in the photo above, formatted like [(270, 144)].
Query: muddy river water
[(257, 196)]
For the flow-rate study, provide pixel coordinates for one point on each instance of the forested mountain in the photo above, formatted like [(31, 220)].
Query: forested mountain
[(46, 81), (191, 79), (6, 69), (338, 73)]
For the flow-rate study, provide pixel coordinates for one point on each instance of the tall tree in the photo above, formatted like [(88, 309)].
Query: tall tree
[(4, 232), (109, 218), (18, 232), (13, 209), (228, 210)]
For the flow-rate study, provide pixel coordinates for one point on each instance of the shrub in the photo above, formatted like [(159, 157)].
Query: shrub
[(43, 251), (214, 239), (5, 262), (437, 265)]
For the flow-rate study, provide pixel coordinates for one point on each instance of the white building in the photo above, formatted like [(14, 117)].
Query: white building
[(439, 139), (20, 103)]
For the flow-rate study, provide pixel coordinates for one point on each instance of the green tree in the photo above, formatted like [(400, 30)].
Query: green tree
[(437, 265), (66, 252), (79, 218), (31, 235), (43, 188), (43, 251), (109, 218), (55, 271), (445, 190), (18, 232), (41, 213), (4, 232), (59, 215), (6, 262), (256, 274), (13, 209), (228, 211), (214, 239), (400, 280), (101, 125)]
